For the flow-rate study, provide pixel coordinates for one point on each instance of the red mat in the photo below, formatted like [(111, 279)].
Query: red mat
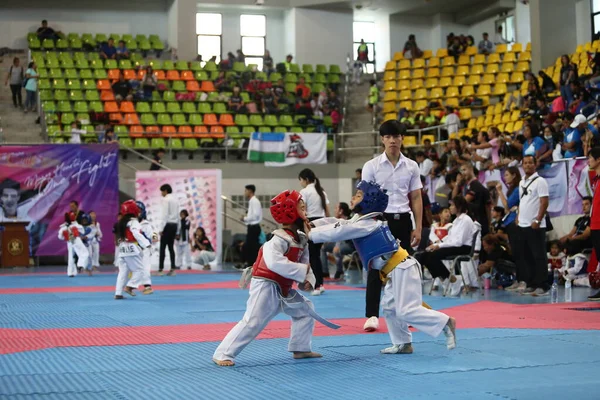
[(484, 314), (101, 289)]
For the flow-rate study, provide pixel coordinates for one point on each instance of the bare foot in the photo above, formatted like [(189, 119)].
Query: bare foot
[(223, 363), (306, 354)]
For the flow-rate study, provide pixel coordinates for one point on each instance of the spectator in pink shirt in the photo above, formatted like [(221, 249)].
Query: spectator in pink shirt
[(492, 141)]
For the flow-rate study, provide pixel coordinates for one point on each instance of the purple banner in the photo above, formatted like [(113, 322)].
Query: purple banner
[(37, 183)]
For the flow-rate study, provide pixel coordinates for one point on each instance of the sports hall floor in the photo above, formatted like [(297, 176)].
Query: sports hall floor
[(64, 338)]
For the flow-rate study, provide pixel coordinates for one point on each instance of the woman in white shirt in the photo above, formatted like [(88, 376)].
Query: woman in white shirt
[(458, 242), (317, 207)]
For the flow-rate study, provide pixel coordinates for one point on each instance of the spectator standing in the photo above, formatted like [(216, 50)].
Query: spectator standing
[(425, 164), (400, 177), (476, 195), (499, 39), (373, 95), (411, 49), (31, 78), (15, 77), (362, 52), (317, 206), (485, 45), (169, 221), (268, 66), (108, 51), (510, 201), (76, 132), (530, 249), (594, 166), (567, 75), (252, 219), (157, 161)]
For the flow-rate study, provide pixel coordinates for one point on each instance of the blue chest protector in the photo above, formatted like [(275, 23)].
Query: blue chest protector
[(378, 243)]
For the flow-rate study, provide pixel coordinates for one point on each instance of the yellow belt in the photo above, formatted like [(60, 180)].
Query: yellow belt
[(398, 257)]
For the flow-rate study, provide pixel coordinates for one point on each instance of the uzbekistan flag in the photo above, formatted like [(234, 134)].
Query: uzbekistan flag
[(265, 147)]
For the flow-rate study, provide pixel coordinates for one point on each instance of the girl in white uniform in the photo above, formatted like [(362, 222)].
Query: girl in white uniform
[(131, 245), (150, 233), (183, 247), (377, 248), (70, 231), (95, 243)]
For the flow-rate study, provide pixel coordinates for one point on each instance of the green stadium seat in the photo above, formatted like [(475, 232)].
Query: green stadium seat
[(34, 44), (126, 37), (96, 64), (52, 63), (61, 95), (43, 73), (168, 96), (121, 130), (333, 79), (140, 37), (179, 120), (141, 144), (148, 119), (213, 97), (261, 76), (188, 107), (219, 108), (204, 108), (318, 88), (179, 86), (116, 37), (125, 64), (82, 117), (92, 95), (96, 106), (51, 118), (190, 144), (195, 66), (158, 107), (74, 84), (46, 95), (173, 108), (239, 67), (71, 74), (232, 130), (144, 45), (291, 78), (157, 143), (100, 74), (156, 64), (67, 118), (48, 44), (131, 46), (286, 120), (335, 69), (49, 106), (76, 95), (245, 97), (320, 78), (142, 107), (44, 84), (307, 78), (86, 74), (296, 129), (62, 44), (281, 129), (308, 69), (290, 87), (248, 129), (201, 76), (270, 120), (274, 77), (264, 129), (126, 142), (195, 119), (153, 38), (241, 120), (68, 63), (164, 119), (181, 65), (59, 84), (111, 64), (211, 66), (64, 106), (256, 120), (93, 56), (55, 73), (176, 144), (321, 69)]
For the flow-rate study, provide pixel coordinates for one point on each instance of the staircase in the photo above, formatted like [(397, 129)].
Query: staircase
[(17, 126), (358, 119)]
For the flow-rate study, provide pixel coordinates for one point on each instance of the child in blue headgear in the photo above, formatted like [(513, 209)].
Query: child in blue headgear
[(379, 250)]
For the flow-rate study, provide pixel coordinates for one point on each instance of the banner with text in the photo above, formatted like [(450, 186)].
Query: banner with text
[(37, 183), (283, 149)]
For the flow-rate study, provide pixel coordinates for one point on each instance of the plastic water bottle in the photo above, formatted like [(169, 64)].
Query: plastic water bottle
[(554, 289), (568, 291)]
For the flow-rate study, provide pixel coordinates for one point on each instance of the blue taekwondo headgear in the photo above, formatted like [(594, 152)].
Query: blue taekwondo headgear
[(142, 208), (375, 199)]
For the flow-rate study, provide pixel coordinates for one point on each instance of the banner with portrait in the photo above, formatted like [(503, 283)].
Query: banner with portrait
[(37, 183), (198, 191)]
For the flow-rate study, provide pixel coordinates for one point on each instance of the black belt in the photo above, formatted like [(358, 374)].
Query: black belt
[(396, 215)]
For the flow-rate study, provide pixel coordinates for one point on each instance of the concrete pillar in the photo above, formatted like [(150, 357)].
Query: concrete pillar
[(182, 28)]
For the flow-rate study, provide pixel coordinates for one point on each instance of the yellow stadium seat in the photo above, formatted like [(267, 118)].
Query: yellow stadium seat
[(550, 70), (430, 83), (518, 126), (516, 77), (516, 48), (498, 108), (493, 58), (448, 71), (434, 62), (404, 64), (488, 79), (433, 72), (426, 137), (389, 85), (389, 76), (465, 113), (528, 47), (471, 51), (390, 117), (420, 104), (404, 74), (464, 60), (484, 90), (472, 124), (389, 106), (418, 74), (406, 104), (436, 93), (448, 61), (416, 84), (409, 140), (489, 120), (467, 91), (476, 123), (441, 53), (405, 95), (390, 96), (499, 89), (477, 69), (403, 85), (420, 94), (579, 49), (398, 56), (489, 110), (596, 45), (509, 127), (507, 67), (492, 69), (452, 102), (522, 66), (525, 56), (427, 54), (459, 81), (506, 118), (509, 57), (462, 70), (497, 119), (390, 66), (418, 63), (479, 59), (445, 81), (515, 115), (474, 80), (502, 78), (587, 47), (452, 91), (501, 48)]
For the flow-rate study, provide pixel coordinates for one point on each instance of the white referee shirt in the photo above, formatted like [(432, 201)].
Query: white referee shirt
[(314, 207), (399, 181), (169, 211), (254, 215), (529, 205)]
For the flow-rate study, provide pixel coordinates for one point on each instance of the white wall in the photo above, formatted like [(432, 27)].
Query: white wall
[(172, 34), (403, 25), (381, 22), (487, 25), (583, 11), (15, 23), (523, 24), (289, 32), (323, 36)]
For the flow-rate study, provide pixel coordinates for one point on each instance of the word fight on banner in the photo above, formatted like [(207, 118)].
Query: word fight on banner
[(198, 191), (283, 149), (572, 175), (37, 183)]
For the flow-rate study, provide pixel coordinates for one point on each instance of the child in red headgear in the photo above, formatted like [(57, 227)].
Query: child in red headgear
[(70, 231), (131, 243), (281, 261)]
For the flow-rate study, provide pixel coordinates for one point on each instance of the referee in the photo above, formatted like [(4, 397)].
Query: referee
[(400, 177), (169, 222)]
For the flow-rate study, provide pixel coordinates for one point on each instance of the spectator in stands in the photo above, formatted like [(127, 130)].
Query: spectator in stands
[(269, 103), (149, 83), (157, 163), (567, 75), (500, 37), (490, 141), (443, 193), (288, 62), (316, 106), (456, 48), (122, 89), (425, 164), (553, 145), (548, 85), (439, 230), (581, 97), (336, 118), (302, 86), (470, 41), (31, 79), (483, 151), (122, 51), (240, 57), (509, 231), (236, 103), (476, 195), (458, 242), (580, 235), (339, 249), (572, 145), (497, 217), (534, 145), (45, 32), (411, 49), (449, 39), (268, 65), (333, 102), (108, 51), (429, 150), (426, 119), (15, 76), (109, 136), (373, 98), (485, 45), (76, 132), (280, 93), (221, 82), (451, 120), (495, 255)]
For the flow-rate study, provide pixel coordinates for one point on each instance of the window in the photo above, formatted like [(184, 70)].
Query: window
[(364, 31), (253, 29), (209, 29), (595, 17), (508, 28)]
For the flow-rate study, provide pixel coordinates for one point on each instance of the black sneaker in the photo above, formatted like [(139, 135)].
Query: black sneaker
[(595, 296)]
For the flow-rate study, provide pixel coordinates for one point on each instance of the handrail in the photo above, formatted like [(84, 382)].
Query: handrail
[(238, 205)]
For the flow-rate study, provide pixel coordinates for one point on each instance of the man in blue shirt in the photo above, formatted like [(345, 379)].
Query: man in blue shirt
[(122, 51), (108, 51), (573, 136)]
